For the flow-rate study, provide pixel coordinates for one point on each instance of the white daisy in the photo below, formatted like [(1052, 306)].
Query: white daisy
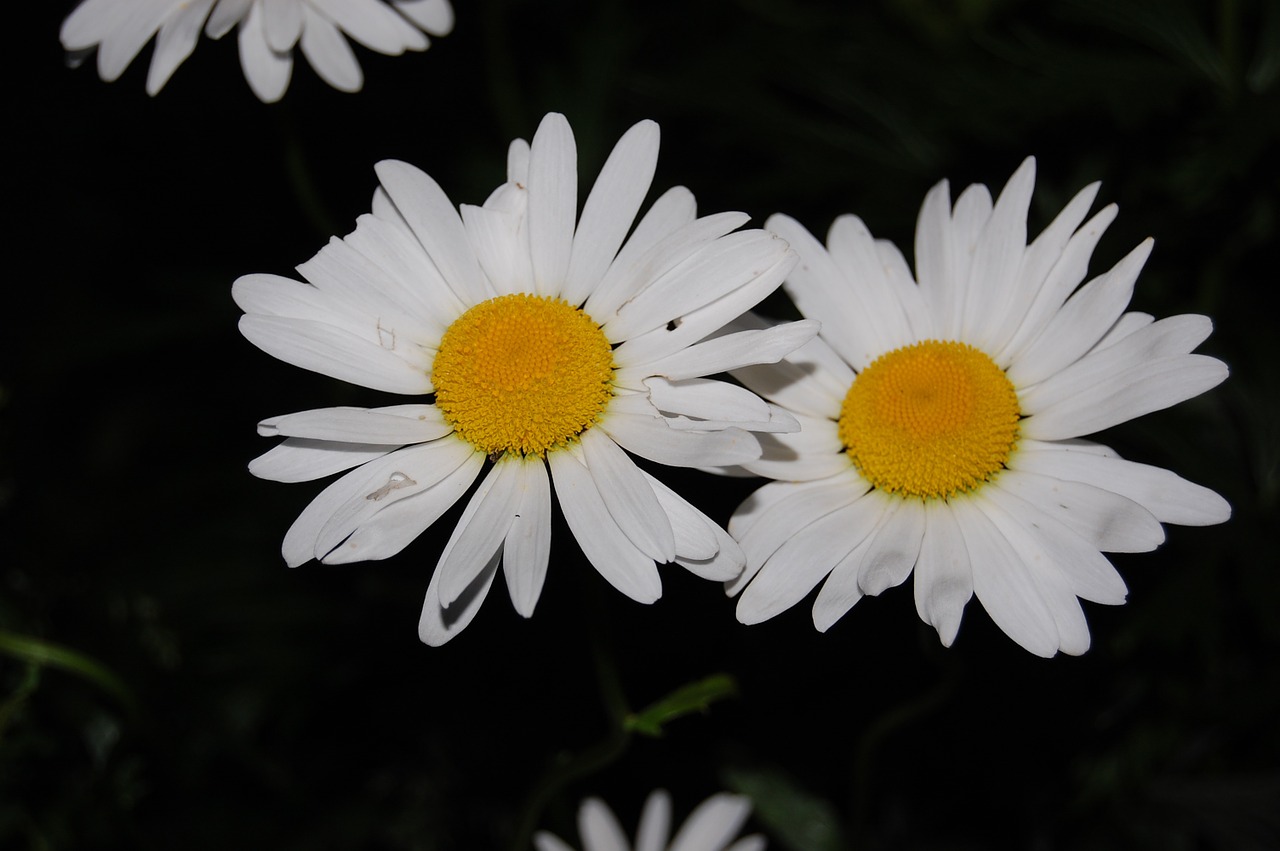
[(942, 418), (711, 827), (545, 347), (268, 32)]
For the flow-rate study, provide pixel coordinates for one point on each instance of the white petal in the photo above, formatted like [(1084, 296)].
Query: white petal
[(438, 624), (701, 322), (300, 460), (336, 353), (527, 550), (500, 244), (716, 269), (894, 547), (943, 578), (969, 217), (282, 23), (399, 523), (360, 425), (655, 822), (1127, 324), (707, 399), (1049, 545), (672, 211), (840, 592), (909, 294), (1108, 521), (434, 16), (813, 452), (544, 841), (553, 202), (788, 510), (702, 546), (376, 486), (1038, 260), (855, 253), (373, 24), (405, 277), (1081, 322), (936, 259), (1064, 276), (342, 506), (1171, 498), (805, 558), (1053, 587), (811, 380), (731, 351), (226, 15), (599, 828), (716, 821), (633, 270), (328, 51), (602, 542), (997, 257), (610, 209), (266, 71), (428, 212), (1126, 395), (175, 42), (628, 497), (481, 529), (823, 291), (1003, 583), (1176, 335), (650, 437)]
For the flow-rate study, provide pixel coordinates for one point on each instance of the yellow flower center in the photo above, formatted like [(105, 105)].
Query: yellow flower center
[(930, 420), (522, 373)]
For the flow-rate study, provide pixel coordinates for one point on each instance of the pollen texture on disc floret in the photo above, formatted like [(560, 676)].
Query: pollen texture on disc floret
[(522, 373), (930, 420)]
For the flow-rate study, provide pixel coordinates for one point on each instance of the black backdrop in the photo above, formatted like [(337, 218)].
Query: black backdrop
[(237, 703)]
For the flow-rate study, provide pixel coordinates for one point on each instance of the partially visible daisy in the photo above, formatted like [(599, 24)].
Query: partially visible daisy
[(943, 419), (268, 32), (540, 349), (711, 827)]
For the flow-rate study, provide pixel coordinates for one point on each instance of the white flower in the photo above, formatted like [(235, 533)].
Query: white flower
[(545, 347), (711, 827), (268, 32), (941, 421)]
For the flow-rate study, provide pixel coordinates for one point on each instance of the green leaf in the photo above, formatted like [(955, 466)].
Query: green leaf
[(690, 698), (34, 651), (795, 817)]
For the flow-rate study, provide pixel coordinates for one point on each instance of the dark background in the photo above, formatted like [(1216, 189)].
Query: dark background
[(202, 695)]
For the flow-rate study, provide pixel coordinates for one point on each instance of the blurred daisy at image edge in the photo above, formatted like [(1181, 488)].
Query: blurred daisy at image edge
[(943, 418), (268, 32), (544, 349), (711, 827)]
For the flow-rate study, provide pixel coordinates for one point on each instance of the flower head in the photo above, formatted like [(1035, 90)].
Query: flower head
[(711, 827), (542, 344), (942, 422), (268, 32)]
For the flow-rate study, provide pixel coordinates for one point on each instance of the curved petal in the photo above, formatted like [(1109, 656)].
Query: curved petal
[(527, 550), (610, 209), (943, 576), (602, 542), (553, 202), (481, 530)]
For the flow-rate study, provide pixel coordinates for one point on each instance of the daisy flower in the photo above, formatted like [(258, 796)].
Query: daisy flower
[(268, 32), (541, 349), (711, 827), (943, 419)]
